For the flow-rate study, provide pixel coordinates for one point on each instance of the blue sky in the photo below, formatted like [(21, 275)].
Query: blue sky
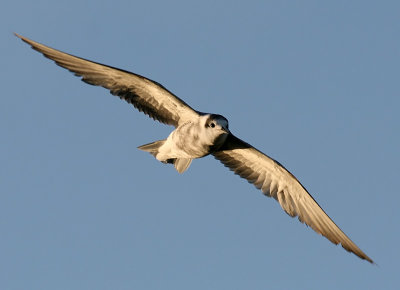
[(314, 85)]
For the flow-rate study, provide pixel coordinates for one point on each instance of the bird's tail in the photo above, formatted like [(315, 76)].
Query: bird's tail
[(152, 148), (181, 164)]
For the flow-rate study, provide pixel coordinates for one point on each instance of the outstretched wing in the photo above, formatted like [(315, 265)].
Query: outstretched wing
[(146, 95), (275, 181)]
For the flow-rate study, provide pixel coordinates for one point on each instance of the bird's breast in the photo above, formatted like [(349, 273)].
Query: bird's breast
[(191, 139)]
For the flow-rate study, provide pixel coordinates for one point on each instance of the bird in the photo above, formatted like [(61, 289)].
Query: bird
[(199, 134)]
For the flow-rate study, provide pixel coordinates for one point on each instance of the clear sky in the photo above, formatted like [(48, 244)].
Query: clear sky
[(313, 84)]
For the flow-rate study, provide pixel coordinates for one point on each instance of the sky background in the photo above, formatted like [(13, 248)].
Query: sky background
[(312, 84)]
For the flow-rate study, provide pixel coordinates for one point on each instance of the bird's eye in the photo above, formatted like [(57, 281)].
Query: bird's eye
[(212, 125)]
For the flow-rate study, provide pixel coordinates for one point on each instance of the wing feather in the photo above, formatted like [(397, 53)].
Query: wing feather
[(277, 182), (144, 94)]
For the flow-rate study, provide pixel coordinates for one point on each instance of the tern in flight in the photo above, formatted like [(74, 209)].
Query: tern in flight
[(199, 134)]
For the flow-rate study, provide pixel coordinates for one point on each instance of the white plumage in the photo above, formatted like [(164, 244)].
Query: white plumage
[(199, 134)]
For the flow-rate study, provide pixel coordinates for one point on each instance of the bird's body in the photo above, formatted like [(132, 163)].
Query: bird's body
[(193, 139), (199, 134)]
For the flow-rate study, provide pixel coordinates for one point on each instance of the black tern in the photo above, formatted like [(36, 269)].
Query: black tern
[(200, 134)]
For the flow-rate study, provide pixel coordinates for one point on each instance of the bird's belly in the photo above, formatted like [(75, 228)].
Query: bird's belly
[(189, 147), (185, 142)]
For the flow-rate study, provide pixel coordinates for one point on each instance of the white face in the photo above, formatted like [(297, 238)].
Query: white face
[(215, 125), (214, 130)]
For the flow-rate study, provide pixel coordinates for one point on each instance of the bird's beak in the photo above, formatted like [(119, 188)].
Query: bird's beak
[(225, 130)]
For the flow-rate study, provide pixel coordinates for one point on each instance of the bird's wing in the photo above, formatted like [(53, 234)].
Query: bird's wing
[(275, 181), (146, 95)]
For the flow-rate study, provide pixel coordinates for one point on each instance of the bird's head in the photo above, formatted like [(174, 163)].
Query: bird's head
[(216, 123), (216, 128)]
